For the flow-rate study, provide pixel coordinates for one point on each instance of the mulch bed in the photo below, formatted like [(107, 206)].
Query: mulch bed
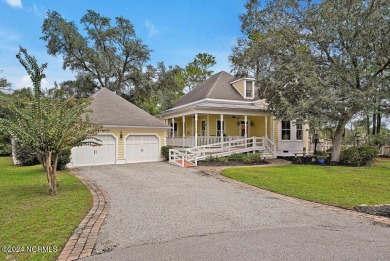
[(230, 163), (382, 210)]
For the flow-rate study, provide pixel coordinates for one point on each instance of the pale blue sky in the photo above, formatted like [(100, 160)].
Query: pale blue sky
[(175, 30)]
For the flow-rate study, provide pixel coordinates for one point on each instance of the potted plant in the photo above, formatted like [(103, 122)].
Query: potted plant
[(321, 156), (320, 160)]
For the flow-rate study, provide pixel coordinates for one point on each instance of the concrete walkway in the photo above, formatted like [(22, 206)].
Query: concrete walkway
[(163, 212)]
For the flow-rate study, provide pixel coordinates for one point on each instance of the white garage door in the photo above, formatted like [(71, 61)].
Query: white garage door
[(95, 155), (143, 148)]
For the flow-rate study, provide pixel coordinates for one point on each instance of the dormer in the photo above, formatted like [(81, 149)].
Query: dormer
[(245, 86)]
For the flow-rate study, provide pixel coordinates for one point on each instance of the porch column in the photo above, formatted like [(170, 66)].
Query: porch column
[(272, 129), (173, 127), (208, 127), (166, 123), (196, 130), (245, 128), (184, 127), (266, 126), (221, 126)]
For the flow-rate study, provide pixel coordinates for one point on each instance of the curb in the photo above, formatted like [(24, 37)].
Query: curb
[(352, 213), (83, 240)]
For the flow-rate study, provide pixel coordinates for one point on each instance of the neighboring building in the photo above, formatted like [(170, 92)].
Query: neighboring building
[(223, 108), (130, 134)]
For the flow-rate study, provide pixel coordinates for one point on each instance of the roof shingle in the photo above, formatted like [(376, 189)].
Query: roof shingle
[(111, 109), (216, 87)]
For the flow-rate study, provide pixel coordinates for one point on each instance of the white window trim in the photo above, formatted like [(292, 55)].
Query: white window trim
[(253, 90), (281, 131), (296, 132)]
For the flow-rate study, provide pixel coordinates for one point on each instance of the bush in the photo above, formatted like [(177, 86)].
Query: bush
[(252, 158), (5, 145), (63, 159), (323, 154), (222, 159), (237, 156), (216, 159), (26, 156), (165, 151), (358, 156)]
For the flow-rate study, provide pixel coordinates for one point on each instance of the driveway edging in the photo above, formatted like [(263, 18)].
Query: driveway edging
[(83, 240), (376, 219)]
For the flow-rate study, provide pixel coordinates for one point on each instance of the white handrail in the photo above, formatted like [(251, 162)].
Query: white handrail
[(225, 148)]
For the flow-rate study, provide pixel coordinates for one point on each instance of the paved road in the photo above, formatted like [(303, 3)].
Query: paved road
[(163, 212)]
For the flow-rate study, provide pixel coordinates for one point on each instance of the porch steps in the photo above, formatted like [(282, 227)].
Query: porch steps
[(187, 164)]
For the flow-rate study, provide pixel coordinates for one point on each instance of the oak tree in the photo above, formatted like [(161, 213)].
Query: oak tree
[(317, 60)]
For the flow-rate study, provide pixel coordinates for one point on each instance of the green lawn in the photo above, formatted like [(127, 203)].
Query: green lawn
[(338, 186), (30, 217)]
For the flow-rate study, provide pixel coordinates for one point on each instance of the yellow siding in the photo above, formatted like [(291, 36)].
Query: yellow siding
[(306, 136), (125, 132), (256, 125), (240, 87), (276, 133)]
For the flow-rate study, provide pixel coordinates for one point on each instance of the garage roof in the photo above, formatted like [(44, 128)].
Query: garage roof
[(109, 109)]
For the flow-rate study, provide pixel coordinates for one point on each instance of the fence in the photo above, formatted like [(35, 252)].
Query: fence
[(385, 151)]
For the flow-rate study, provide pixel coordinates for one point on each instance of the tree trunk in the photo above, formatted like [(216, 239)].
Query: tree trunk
[(338, 137), (374, 124), (368, 128), (53, 175), (47, 166), (378, 123)]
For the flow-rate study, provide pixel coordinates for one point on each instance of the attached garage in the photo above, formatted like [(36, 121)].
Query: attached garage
[(130, 134), (142, 148), (96, 155)]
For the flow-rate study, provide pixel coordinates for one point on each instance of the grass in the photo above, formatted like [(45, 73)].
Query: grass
[(338, 186), (30, 217)]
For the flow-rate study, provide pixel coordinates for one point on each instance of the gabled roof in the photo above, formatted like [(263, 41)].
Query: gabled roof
[(216, 87), (112, 110)]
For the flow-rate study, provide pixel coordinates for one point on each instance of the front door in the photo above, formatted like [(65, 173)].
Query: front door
[(242, 128)]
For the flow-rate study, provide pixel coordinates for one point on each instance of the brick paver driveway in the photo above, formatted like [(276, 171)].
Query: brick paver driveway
[(163, 212)]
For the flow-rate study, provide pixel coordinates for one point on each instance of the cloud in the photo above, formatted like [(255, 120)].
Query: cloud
[(37, 11), (14, 3), (25, 82), (151, 28)]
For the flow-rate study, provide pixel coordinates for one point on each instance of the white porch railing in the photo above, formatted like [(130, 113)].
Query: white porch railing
[(226, 148), (188, 142)]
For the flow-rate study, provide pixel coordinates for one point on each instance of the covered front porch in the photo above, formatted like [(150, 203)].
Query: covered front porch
[(199, 129)]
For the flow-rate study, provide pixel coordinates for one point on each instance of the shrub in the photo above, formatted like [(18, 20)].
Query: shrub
[(252, 158), (323, 154), (237, 156), (209, 158), (358, 156), (63, 159), (5, 145), (165, 151), (26, 156), (222, 159)]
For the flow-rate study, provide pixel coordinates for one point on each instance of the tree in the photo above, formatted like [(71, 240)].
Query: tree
[(48, 124), (323, 61), (110, 56), (4, 84), (161, 88), (196, 71)]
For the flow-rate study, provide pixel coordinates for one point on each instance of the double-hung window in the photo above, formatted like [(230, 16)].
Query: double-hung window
[(299, 131), (286, 130), (248, 89)]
